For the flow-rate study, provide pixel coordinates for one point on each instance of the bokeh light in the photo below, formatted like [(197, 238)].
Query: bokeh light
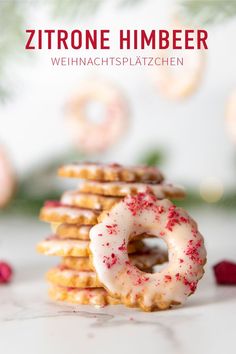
[(231, 116), (211, 190)]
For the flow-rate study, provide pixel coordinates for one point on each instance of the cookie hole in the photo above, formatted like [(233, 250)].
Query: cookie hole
[(152, 257), (95, 111), (158, 242)]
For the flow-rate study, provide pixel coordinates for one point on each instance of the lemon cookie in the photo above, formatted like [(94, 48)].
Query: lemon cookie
[(110, 172)]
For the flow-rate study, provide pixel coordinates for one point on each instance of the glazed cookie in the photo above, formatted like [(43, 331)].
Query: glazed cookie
[(73, 231), (111, 120), (144, 260), (121, 189), (64, 276), (80, 232), (77, 263), (54, 246), (110, 172), (7, 179), (90, 296), (88, 200), (56, 212), (177, 84), (187, 255)]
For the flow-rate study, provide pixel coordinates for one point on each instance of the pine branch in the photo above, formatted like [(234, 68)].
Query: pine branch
[(31, 206), (73, 8), (208, 11), (11, 38), (152, 157)]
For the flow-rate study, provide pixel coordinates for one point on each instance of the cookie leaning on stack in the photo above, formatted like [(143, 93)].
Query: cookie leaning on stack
[(72, 218)]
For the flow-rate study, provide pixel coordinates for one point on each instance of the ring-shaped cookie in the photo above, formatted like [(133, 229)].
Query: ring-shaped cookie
[(231, 116), (176, 81), (7, 179), (111, 172), (140, 214), (93, 136)]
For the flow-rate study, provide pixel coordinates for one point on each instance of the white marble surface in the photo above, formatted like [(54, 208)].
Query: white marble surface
[(31, 323)]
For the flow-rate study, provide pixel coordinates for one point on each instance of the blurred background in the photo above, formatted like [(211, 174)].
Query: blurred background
[(181, 118)]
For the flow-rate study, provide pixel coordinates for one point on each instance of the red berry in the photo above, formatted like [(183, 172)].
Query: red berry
[(225, 273), (5, 273), (52, 204)]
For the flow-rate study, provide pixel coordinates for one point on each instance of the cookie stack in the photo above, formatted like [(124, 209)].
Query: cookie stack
[(101, 187)]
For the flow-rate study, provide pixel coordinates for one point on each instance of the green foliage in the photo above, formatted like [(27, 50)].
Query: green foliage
[(153, 157), (13, 15), (72, 8), (29, 205), (11, 37), (208, 11), (42, 184)]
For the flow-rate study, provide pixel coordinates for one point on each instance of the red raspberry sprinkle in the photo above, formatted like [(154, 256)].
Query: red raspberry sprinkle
[(114, 164), (112, 229), (139, 202), (5, 273), (171, 223), (141, 279), (123, 246), (192, 285), (52, 204), (194, 232), (62, 267), (225, 273), (172, 211), (193, 251), (160, 209), (70, 289), (174, 218), (177, 276), (110, 260), (168, 278), (184, 220), (105, 244)]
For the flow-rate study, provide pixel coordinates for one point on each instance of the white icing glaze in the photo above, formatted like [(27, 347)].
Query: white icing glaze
[(144, 172), (54, 227), (160, 190), (77, 198), (73, 213), (73, 198), (69, 273), (53, 246), (96, 296), (97, 136), (83, 229), (138, 214)]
